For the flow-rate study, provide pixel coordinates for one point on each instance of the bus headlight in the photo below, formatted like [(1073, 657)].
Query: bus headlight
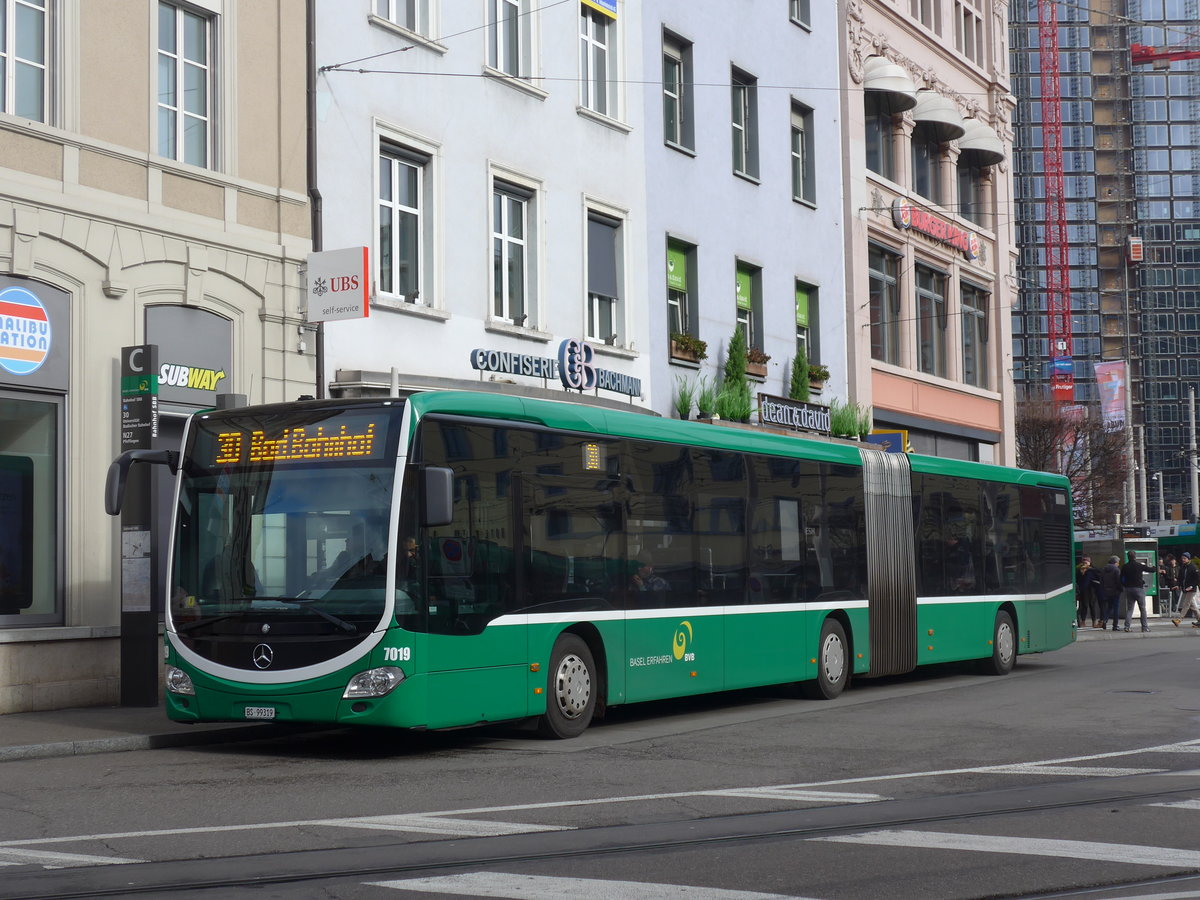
[(179, 681), (374, 682)]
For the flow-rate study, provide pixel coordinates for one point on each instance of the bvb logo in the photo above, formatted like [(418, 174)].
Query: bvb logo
[(683, 636)]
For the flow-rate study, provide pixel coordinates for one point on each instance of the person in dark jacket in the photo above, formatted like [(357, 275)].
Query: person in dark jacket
[(1110, 591), (1087, 583), (1189, 581), (1133, 578)]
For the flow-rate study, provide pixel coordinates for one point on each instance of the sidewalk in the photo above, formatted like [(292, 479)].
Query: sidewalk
[(108, 729)]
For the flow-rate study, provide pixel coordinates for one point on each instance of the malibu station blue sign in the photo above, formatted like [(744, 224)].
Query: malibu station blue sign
[(573, 367)]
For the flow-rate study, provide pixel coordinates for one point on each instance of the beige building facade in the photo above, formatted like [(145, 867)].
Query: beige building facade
[(153, 177), (929, 222)]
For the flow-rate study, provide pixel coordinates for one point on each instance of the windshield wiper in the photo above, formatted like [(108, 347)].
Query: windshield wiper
[(341, 624), (204, 623)]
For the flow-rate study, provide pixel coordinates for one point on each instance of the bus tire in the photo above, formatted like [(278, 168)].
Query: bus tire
[(833, 664), (1004, 646), (571, 686)]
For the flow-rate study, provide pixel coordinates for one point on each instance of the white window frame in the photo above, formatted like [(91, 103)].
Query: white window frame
[(928, 13), (526, 192), (931, 319), (800, 12), (968, 30), (597, 49), (179, 114), (744, 123), (748, 320), (411, 15), (604, 318), (975, 332), (13, 63), (400, 157), (673, 93), (804, 176), (508, 23)]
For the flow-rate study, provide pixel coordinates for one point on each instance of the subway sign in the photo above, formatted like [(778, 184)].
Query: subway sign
[(911, 217), (573, 367)]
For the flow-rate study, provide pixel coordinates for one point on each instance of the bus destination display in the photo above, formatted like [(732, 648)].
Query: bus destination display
[(329, 441)]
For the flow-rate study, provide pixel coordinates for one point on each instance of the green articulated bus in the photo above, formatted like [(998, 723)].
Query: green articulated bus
[(458, 558)]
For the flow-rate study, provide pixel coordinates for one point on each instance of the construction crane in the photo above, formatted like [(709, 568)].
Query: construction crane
[(1142, 55), (1058, 299)]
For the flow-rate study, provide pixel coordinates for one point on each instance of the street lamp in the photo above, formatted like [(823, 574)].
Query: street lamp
[(1162, 510)]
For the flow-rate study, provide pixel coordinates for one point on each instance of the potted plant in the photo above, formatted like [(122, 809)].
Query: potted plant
[(817, 376), (756, 362), (706, 398), (688, 347), (685, 395), (733, 397), (798, 388), (849, 420)]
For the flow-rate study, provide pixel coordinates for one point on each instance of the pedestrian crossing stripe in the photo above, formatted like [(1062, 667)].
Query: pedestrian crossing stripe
[(440, 825), (1024, 846), (541, 887), (798, 794), (11, 856)]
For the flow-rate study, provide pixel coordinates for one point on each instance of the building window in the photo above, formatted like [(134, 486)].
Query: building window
[(184, 85), (509, 37), (748, 302), (968, 30), (970, 192), (880, 154), (928, 13), (799, 12), (597, 62), (512, 254), (677, 93), (974, 311), (401, 223), (884, 276), (604, 313), (931, 321), (744, 104), (25, 48), (803, 173), (410, 14), (30, 508), (807, 319), (681, 273), (926, 162)]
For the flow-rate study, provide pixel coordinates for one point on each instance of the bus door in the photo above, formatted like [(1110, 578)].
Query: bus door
[(891, 582), (570, 542)]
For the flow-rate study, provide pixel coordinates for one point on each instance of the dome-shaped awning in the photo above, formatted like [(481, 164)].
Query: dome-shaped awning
[(980, 145), (890, 82), (940, 113)]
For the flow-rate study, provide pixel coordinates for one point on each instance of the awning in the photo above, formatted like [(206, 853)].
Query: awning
[(980, 145), (882, 75), (939, 112)]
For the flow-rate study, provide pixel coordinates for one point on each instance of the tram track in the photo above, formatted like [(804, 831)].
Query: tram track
[(368, 862)]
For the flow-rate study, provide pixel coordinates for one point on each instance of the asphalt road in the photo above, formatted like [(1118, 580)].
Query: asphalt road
[(1080, 772)]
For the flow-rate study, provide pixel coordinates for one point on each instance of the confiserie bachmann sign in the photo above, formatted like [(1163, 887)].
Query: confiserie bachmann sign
[(794, 414)]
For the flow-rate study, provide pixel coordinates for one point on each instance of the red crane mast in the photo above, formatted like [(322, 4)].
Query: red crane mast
[(1058, 299)]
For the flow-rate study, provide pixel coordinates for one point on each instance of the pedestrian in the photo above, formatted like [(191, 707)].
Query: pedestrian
[(1133, 578), (1086, 584), (1189, 581), (1110, 592), (1169, 573)]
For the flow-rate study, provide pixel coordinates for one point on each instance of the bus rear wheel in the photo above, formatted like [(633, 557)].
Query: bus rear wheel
[(833, 664), (1004, 647), (570, 690)]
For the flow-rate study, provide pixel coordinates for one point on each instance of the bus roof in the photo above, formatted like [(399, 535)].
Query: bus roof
[(579, 417)]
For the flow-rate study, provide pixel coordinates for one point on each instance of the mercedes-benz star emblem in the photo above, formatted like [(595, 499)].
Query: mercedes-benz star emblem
[(263, 656)]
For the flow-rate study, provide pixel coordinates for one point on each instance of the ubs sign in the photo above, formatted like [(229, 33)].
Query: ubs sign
[(573, 368)]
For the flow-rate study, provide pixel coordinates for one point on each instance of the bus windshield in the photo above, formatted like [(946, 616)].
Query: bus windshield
[(283, 522)]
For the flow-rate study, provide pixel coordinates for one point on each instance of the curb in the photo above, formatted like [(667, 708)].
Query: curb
[(236, 733)]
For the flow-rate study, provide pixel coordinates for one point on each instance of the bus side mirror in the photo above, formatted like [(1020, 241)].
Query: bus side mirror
[(437, 496), (118, 472)]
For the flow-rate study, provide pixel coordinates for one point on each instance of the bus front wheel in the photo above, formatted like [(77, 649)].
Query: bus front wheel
[(1004, 647), (571, 689), (833, 664)]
